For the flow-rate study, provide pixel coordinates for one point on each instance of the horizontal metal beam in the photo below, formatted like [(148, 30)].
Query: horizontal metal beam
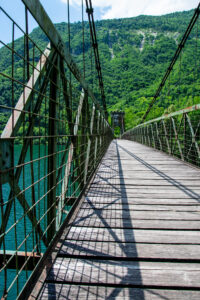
[(31, 259), (167, 116)]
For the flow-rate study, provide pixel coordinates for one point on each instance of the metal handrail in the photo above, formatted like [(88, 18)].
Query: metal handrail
[(177, 134)]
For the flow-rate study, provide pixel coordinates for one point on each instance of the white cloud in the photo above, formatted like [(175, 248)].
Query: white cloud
[(130, 8)]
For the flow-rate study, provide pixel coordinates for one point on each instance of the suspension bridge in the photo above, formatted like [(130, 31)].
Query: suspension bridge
[(84, 215)]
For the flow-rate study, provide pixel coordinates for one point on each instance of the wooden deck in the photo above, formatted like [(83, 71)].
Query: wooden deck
[(136, 234)]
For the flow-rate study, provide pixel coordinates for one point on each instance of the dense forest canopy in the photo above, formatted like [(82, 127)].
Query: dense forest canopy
[(135, 53)]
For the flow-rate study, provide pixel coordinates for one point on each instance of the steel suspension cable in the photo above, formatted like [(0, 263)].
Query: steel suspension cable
[(89, 10), (83, 31), (69, 48), (174, 59)]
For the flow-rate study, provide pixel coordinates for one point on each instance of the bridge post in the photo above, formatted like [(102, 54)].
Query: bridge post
[(166, 137), (149, 141), (52, 143), (89, 143), (82, 121), (83, 139), (97, 137), (158, 135), (177, 139), (101, 130), (184, 134)]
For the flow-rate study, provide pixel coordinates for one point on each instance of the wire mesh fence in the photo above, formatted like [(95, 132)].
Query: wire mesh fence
[(53, 136), (177, 134)]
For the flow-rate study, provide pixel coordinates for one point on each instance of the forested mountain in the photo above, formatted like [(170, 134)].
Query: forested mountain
[(135, 53)]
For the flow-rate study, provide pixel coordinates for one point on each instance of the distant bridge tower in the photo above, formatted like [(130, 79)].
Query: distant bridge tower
[(117, 119)]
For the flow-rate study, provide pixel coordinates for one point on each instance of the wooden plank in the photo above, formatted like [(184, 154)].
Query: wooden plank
[(148, 160), (144, 166), (142, 194), (192, 192), (137, 224), (131, 199), (126, 273), (117, 182), (144, 215), (126, 159), (153, 167), (139, 160), (131, 167), (148, 189), (136, 164), (130, 250), (134, 236), (141, 176), (127, 206), (146, 174), (52, 291)]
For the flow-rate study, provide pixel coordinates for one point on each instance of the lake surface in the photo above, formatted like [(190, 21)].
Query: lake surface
[(22, 235)]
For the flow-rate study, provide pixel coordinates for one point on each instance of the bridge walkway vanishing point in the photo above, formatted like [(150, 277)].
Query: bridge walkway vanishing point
[(136, 234)]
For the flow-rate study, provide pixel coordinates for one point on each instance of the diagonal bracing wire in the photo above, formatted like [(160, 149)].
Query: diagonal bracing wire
[(89, 10), (174, 59)]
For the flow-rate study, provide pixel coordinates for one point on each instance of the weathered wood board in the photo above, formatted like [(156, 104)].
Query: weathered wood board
[(107, 234), (125, 272), (130, 250), (138, 224), (52, 291), (135, 214)]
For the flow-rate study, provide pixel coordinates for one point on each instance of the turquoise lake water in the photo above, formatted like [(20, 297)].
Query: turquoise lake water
[(24, 226)]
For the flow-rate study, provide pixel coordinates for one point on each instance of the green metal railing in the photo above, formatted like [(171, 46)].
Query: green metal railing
[(177, 134), (54, 137)]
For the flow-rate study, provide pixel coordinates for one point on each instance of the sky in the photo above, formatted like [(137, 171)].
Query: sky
[(103, 9), (130, 8)]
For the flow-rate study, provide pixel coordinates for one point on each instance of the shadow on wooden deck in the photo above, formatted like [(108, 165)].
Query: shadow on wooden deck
[(112, 250)]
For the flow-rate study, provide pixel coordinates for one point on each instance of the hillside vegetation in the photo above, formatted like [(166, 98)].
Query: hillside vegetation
[(135, 54)]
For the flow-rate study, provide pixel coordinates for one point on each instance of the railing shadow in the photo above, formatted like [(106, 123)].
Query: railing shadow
[(108, 193), (126, 243), (166, 177), (127, 237)]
